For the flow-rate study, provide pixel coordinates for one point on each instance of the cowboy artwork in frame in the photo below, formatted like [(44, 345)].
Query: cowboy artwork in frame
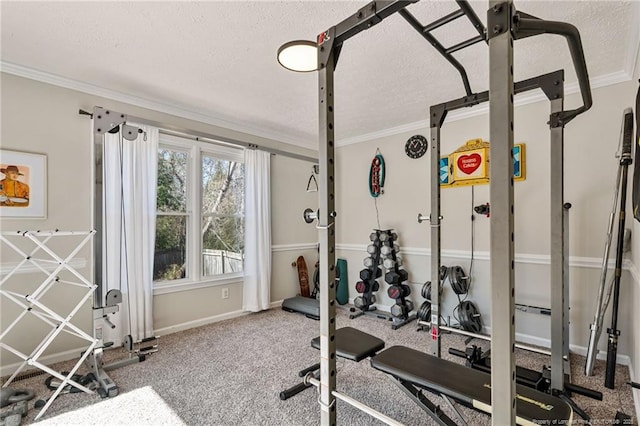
[(23, 185)]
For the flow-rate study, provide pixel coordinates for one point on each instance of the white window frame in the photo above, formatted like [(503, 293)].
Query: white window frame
[(195, 150)]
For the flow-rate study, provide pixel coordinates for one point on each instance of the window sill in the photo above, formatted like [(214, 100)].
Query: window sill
[(174, 287)]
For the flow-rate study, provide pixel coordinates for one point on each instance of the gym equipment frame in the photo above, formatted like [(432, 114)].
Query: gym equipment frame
[(104, 121), (44, 259), (505, 24)]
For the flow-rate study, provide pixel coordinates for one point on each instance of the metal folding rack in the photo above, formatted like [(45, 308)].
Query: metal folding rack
[(504, 24), (51, 265)]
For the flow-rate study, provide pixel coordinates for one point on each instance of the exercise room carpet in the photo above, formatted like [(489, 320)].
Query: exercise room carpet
[(231, 373)]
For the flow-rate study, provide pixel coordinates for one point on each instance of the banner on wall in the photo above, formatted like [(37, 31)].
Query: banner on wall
[(469, 164)]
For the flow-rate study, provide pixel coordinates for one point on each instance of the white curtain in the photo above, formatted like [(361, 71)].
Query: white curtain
[(129, 183), (257, 240)]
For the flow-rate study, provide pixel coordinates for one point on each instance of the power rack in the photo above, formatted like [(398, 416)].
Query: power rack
[(504, 25)]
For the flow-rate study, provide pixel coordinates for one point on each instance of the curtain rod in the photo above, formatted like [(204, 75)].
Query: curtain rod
[(197, 135)]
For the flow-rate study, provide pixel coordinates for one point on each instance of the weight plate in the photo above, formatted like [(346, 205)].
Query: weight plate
[(426, 290), (469, 317), (424, 313)]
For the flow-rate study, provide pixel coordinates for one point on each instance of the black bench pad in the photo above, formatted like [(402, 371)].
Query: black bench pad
[(353, 344), (470, 387)]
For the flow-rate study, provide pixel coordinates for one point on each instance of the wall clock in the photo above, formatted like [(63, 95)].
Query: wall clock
[(416, 146)]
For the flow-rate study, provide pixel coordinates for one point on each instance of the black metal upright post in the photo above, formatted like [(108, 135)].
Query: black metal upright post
[(437, 118), (326, 229), (501, 92), (557, 242)]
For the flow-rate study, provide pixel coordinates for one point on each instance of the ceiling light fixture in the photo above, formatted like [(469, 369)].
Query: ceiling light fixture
[(299, 56)]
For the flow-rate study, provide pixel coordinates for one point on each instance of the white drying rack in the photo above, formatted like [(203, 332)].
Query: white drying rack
[(32, 304)]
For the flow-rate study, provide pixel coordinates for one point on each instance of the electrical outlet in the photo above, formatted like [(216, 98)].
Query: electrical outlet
[(225, 293)]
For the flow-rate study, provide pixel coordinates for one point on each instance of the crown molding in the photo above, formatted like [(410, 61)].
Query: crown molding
[(482, 109), (176, 110)]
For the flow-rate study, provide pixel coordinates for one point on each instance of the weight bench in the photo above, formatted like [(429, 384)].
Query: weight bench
[(351, 344), (415, 370)]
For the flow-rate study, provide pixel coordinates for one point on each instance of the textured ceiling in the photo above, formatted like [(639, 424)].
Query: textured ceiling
[(218, 59)]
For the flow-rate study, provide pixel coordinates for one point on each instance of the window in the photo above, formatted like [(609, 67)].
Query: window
[(200, 212)]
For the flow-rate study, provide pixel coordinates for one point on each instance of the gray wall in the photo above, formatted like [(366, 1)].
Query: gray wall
[(590, 169), (42, 118)]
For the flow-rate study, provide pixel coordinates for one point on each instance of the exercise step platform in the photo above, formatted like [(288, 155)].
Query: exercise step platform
[(467, 386), (304, 305), (351, 344)]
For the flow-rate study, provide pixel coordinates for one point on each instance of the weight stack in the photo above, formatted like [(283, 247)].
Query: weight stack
[(395, 276)]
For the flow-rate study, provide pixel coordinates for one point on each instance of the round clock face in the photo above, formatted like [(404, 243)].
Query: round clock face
[(416, 146)]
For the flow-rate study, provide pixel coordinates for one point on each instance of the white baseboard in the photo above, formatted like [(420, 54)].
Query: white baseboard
[(198, 323), (537, 341), (576, 349), (208, 320), (6, 370), (635, 392)]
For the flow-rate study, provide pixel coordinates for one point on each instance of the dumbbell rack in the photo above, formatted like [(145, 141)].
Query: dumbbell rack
[(30, 300), (384, 250)]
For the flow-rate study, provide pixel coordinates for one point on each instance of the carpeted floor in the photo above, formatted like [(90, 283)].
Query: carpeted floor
[(231, 373)]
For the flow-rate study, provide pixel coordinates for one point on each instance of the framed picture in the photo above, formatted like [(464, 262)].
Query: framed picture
[(23, 185)]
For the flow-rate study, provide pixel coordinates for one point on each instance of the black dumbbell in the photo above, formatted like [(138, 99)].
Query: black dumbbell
[(396, 277), (394, 291), (362, 286), (409, 305), (359, 302), (399, 311), (367, 275), (398, 291)]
